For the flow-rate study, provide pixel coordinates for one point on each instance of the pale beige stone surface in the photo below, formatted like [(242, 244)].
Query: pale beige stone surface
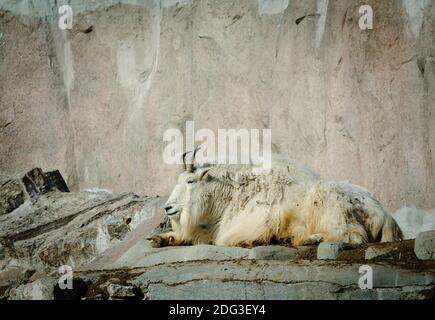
[(352, 104)]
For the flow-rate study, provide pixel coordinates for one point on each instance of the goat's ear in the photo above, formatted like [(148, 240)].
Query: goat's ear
[(203, 174)]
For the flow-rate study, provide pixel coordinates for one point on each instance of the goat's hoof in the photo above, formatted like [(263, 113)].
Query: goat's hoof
[(158, 241)]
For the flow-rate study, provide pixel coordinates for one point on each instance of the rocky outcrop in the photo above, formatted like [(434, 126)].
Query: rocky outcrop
[(50, 227), (98, 240), (280, 280), (69, 228), (15, 190), (214, 272)]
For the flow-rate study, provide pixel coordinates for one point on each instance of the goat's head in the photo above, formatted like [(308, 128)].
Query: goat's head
[(191, 195)]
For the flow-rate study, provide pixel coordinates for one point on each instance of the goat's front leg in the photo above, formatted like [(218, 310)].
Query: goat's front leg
[(166, 239)]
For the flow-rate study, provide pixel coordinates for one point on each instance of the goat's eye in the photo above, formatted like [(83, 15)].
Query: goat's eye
[(190, 181)]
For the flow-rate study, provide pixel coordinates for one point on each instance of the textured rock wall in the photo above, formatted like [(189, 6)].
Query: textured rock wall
[(216, 272), (354, 105)]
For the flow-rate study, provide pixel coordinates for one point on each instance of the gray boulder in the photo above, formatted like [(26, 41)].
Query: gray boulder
[(54, 227), (41, 289), (9, 278), (15, 190), (331, 250), (117, 291), (424, 247), (12, 195), (377, 251)]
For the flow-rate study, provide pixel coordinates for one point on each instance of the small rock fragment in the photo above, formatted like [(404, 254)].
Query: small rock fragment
[(424, 247), (56, 181), (41, 289), (117, 291), (14, 190), (331, 250), (35, 182), (12, 195), (376, 251)]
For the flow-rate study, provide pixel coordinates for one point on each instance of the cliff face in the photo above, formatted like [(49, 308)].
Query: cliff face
[(95, 101)]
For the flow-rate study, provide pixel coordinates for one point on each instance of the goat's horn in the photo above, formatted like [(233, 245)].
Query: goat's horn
[(184, 160), (191, 166), (194, 152)]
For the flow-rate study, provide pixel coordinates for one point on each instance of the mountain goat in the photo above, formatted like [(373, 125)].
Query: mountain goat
[(230, 205)]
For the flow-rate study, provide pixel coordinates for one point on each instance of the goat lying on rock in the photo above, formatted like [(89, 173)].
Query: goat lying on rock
[(230, 205)]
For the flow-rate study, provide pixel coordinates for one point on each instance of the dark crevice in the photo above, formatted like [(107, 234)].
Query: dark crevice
[(7, 124), (88, 30), (299, 20)]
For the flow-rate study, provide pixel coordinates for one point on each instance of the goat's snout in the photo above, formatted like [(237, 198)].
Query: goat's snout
[(171, 210), (167, 208)]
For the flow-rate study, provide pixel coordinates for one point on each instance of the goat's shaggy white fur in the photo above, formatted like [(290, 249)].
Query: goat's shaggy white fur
[(230, 205)]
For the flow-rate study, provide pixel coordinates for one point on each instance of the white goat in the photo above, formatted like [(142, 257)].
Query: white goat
[(229, 205)]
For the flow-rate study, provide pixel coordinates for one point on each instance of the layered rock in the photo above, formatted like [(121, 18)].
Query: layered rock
[(15, 190), (50, 227), (69, 228), (97, 240), (215, 272)]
